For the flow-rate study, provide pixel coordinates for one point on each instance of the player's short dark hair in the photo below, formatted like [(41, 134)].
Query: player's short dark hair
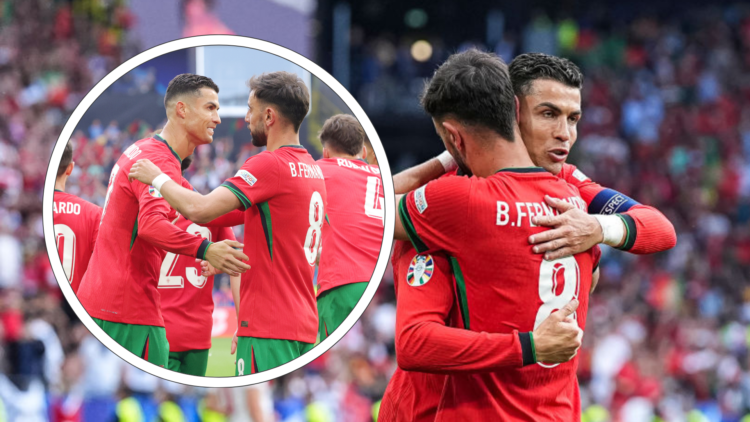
[(474, 87), (343, 133), (286, 91), (66, 159), (188, 83), (526, 68)]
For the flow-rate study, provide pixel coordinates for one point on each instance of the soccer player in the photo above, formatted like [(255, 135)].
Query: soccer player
[(482, 224), (119, 290), (351, 243), (283, 196), (187, 303), (549, 92), (76, 224)]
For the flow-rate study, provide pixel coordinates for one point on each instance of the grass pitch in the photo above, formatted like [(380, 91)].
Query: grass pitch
[(220, 362)]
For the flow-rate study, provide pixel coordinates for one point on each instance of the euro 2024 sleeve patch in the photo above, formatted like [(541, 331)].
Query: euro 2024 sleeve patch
[(420, 270), (153, 192), (247, 177), (578, 174)]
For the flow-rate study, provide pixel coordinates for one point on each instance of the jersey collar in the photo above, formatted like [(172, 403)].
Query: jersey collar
[(164, 141), (293, 146), (522, 170), (58, 190)]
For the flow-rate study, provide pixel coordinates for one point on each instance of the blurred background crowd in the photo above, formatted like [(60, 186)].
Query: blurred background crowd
[(666, 120)]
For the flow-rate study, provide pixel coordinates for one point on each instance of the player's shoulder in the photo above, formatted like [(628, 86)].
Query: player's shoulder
[(572, 174)]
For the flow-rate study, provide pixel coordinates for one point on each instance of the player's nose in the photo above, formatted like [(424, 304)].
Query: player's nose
[(562, 131)]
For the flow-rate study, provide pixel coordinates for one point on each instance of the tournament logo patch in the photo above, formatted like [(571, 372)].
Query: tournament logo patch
[(420, 200), (153, 192), (578, 174), (420, 270), (247, 177)]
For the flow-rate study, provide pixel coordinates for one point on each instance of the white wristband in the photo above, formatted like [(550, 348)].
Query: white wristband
[(613, 229), (447, 160), (159, 181)]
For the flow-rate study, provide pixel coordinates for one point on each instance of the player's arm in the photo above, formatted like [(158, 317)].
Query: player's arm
[(197, 208), (424, 343), (230, 219), (613, 219), (434, 215), (419, 175)]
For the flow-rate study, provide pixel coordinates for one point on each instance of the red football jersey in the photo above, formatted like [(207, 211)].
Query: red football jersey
[(187, 304), (76, 227), (284, 195), (648, 230), (483, 225), (354, 232), (135, 231), (414, 396)]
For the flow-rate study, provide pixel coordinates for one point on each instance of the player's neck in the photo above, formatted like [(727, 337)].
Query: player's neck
[(60, 183), (280, 139), (177, 138), (501, 155)]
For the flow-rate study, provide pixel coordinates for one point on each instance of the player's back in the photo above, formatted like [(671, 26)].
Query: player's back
[(76, 228), (286, 203), (186, 296), (503, 286), (351, 243), (120, 285)]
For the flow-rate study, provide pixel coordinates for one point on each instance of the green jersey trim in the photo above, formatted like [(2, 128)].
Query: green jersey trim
[(176, 155), (461, 292), (244, 202), (631, 232), (403, 212), (135, 233), (265, 221), (522, 170), (329, 221)]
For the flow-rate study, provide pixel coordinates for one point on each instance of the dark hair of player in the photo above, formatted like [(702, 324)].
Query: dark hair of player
[(186, 162), (343, 134), (474, 87), (526, 68), (286, 91), (67, 157), (187, 83)]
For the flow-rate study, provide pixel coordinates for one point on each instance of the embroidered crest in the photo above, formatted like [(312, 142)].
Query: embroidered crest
[(420, 200), (247, 177)]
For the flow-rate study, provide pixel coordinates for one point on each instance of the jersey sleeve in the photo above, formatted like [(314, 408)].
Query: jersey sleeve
[(424, 343), (225, 233), (256, 182), (434, 215), (230, 219), (153, 223), (648, 230)]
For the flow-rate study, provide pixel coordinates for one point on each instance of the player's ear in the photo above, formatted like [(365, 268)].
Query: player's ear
[(70, 168), (453, 133), (326, 154), (364, 152), (270, 116), (518, 108), (181, 109)]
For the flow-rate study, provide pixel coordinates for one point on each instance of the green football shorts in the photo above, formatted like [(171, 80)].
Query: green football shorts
[(146, 341), (335, 305), (191, 362), (261, 354)]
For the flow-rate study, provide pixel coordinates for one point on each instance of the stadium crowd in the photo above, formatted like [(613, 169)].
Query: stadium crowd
[(666, 121)]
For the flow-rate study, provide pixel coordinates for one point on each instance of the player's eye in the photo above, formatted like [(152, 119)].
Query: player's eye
[(574, 119), (548, 114)]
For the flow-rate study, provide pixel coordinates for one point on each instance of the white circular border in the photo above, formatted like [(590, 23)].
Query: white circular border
[(237, 41)]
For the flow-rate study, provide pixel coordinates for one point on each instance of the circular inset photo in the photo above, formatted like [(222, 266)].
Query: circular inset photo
[(215, 211)]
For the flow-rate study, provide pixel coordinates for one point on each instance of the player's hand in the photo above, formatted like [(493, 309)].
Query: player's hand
[(225, 258), (558, 338), (572, 232), (144, 171), (207, 270), (234, 344)]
